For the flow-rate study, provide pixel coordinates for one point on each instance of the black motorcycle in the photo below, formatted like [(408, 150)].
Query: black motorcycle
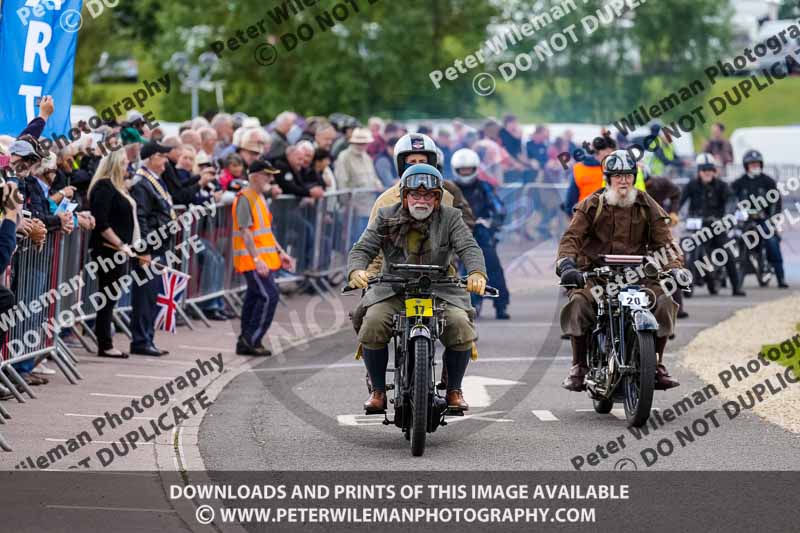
[(621, 353), (418, 407), (751, 261)]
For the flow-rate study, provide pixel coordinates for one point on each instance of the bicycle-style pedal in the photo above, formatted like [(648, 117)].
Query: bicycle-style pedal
[(389, 386), (370, 413), (454, 412)]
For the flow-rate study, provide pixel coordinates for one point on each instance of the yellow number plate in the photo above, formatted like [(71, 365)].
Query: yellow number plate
[(419, 307)]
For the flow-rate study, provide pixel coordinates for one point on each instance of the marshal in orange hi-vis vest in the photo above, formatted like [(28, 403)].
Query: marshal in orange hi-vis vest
[(588, 179), (266, 247)]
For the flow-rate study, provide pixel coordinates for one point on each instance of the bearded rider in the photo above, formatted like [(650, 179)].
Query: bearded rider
[(618, 219), (418, 230)]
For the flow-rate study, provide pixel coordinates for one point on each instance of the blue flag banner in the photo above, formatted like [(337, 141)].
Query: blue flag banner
[(38, 40)]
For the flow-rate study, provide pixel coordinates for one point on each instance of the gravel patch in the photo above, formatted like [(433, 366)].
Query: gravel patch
[(738, 340)]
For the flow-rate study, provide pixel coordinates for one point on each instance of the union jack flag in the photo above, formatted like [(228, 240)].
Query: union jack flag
[(173, 285)]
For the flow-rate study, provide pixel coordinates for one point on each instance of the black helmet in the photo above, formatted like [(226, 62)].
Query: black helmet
[(752, 156), (618, 162)]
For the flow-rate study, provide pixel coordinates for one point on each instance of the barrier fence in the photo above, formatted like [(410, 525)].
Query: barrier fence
[(319, 234)]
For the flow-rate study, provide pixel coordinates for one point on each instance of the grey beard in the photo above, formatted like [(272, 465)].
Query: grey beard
[(613, 197), (419, 214)]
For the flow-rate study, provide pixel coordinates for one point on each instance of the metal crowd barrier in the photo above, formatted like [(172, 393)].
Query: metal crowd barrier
[(36, 277)]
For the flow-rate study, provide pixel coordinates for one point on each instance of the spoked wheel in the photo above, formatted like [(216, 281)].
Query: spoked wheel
[(639, 385), (420, 396)]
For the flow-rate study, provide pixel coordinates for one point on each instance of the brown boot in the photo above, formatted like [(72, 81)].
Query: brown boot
[(576, 380), (455, 400), (663, 380), (376, 402)]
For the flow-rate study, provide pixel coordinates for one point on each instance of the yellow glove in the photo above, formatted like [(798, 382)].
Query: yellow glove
[(476, 283), (674, 219), (359, 279)]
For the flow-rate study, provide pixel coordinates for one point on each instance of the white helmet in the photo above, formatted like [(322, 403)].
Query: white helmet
[(706, 162), (413, 143), (465, 158)]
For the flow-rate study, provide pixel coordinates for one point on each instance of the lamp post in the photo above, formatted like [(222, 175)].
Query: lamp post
[(196, 76)]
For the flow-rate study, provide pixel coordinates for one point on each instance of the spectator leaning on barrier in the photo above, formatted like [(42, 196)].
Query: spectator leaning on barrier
[(295, 174), (537, 146), (256, 254), (26, 160), (322, 168), (153, 210), (117, 228), (8, 243)]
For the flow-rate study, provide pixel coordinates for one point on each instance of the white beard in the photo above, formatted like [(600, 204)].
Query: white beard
[(420, 212), (613, 197)]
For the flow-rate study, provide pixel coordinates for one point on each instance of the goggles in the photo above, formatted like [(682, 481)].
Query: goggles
[(423, 181)]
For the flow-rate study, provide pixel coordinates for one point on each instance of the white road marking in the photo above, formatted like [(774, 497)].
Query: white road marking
[(206, 349), (142, 376), (97, 508), (360, 420), (102, 416), (475, 388), (104, 395), (544, 416), (94, 441)]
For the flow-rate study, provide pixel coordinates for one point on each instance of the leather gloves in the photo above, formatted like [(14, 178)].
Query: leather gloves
[(476, 283), (570, 275), (359, 279)]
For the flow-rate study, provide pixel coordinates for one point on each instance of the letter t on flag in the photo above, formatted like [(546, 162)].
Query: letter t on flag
[(38, 40), (173, 285)]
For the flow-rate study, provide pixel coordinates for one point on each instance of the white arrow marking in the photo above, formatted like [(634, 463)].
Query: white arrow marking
[(545, 416), (475, 392)]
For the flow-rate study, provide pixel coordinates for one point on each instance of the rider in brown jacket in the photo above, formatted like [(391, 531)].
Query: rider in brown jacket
[(620, 220)]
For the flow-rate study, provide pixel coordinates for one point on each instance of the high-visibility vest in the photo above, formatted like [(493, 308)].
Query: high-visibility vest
[(588, 179), (640, 184), (266, 246)]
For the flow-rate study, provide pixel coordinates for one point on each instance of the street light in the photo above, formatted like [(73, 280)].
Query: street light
[(197, 76)]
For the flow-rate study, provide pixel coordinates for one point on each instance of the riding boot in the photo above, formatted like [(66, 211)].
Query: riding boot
[(575, 381), (711, 284), (376, 361), (663, 380), (736, 282), (456, 362)]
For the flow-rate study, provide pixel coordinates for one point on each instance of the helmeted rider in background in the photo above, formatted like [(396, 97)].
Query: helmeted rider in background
[(490, 213), (417, 230), (708, 197), (623, 220), (754, 183)]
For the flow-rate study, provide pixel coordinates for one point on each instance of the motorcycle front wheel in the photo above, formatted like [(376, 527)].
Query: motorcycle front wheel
[(639, 385), (420, 401)]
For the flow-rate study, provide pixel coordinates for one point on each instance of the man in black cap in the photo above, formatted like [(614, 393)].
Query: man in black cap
[(153, 210), (257, 254)]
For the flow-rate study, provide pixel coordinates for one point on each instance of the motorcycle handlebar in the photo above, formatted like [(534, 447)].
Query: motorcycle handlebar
[(490, 292)]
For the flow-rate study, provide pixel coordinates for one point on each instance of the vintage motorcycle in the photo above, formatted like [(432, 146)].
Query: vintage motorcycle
[(751, 260), (621, 353), (418, 407)]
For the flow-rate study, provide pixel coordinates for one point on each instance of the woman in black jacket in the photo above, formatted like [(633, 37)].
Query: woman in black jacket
[(116, 228)]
